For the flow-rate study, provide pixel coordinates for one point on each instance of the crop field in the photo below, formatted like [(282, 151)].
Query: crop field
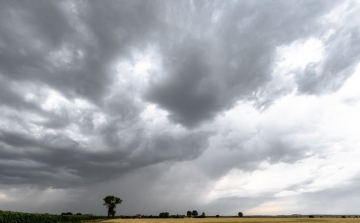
[(237, 220), (19, 217)]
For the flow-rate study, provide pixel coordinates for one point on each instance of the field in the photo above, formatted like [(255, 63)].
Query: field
[(237, 220)]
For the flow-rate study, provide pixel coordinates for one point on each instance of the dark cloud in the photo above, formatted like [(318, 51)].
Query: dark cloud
[(190, 96), (58, 161), (72, 46), (228, 57)]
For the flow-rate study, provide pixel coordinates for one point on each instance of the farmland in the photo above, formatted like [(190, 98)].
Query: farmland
[(237, 220)]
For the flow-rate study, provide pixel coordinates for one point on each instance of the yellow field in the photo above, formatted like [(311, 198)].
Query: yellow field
[(238, 220)]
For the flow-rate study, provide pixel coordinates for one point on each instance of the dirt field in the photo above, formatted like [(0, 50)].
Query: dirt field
[(238, 220)]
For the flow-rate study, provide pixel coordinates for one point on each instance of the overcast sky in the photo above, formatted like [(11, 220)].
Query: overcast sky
[(217, 106)]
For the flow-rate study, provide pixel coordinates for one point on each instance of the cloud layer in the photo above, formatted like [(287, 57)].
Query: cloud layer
[(217, 106)]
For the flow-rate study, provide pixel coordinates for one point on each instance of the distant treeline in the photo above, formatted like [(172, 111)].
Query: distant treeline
[(165, 215), (297, 216), (16, 217), (162, 215)]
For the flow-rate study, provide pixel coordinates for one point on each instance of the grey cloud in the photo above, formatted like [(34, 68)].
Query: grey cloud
[(11, 98), (321, 202), (167, 147), (340, 61), (88, 39), (189, 95), (60, 162), (23, 28), (231, 206), (73, 47), (228, 59), (269, 145), (17, 139)]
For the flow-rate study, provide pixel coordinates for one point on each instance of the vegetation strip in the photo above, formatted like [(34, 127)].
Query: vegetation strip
[(19, 217)]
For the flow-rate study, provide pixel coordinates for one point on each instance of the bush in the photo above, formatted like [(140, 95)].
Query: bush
[(177, 216), (164, 215), (217, 216), (202, 215), (311, 216)]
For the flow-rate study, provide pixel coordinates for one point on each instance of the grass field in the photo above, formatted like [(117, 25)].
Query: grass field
[(237, 220)]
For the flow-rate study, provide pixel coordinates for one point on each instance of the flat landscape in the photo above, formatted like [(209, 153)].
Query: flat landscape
[(234, 220)]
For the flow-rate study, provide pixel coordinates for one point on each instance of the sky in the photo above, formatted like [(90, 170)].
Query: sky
[(214, 106)]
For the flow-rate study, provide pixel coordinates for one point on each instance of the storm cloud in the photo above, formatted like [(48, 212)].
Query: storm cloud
[(217, 106)]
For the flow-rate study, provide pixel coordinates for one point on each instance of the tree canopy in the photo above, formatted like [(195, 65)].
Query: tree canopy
[(110, 202), (188, 213), (164, 215)]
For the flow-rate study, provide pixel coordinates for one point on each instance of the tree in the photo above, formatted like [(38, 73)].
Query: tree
[(203, 215), (188, 213), (164, 215), (217, 216), (110, 202), (240, 214), (195, 213)]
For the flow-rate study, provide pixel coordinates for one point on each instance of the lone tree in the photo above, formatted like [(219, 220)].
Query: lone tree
[(110, 202), (240, 214)]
